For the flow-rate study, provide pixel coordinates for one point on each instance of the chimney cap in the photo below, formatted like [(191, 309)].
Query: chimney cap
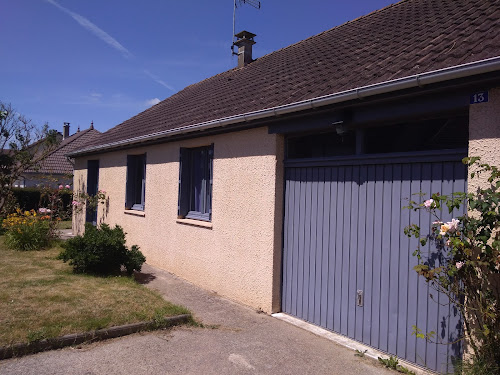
[(245, 35), (244, 43)]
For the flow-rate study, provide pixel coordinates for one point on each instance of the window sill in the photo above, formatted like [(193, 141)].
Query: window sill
[(195, 223), (134, 213)]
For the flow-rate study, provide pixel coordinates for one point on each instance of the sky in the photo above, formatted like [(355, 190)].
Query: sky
[(105, 61)]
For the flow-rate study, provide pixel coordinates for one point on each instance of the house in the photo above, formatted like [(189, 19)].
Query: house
[(280, 183), (56, 169)]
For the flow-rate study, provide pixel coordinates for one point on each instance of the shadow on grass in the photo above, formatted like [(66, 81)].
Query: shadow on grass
[(144, 278)]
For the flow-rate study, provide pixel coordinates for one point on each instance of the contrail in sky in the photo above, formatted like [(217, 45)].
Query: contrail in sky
[(106, 38), (158, 80), (101, 34)]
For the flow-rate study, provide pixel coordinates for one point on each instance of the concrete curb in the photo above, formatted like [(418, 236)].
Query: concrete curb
[(19, 350), (367, 351)]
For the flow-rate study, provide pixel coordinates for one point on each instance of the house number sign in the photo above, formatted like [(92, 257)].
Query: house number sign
[(479, 97)]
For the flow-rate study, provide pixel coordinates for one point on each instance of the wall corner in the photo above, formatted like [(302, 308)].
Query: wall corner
[(278, 222)]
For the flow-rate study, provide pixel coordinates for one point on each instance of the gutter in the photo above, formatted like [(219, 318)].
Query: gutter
[(417, 80)]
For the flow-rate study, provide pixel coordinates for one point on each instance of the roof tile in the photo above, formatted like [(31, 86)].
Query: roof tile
[(406, 38), (56, 162)]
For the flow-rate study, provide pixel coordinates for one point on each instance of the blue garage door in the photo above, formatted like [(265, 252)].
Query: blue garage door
[(347, 265)]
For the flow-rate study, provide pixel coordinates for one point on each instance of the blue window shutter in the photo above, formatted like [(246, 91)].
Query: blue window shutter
[(131, 177), (143, 187), (184, 170), (210, 183)]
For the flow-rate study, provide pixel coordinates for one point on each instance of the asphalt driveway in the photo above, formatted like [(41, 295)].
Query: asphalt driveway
[(234, 340)]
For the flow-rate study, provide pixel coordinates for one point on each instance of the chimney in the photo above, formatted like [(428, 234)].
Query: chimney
[(244, 43), (66, 130)]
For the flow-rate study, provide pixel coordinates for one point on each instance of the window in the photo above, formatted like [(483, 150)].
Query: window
[(195, 183), (136, 182), (20, 183)]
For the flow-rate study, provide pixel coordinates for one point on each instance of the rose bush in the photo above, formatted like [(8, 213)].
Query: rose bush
[(470, 273), (90, 202)]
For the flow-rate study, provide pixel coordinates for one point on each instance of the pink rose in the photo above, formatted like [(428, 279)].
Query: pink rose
[(68, 187), (428, 203), (61, 187), (459, 265), (453, 225)]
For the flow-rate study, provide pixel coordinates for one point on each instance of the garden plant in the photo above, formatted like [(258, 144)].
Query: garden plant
[(101, 251), (35, 229), (82, 200), (28, 230), (470, 271)]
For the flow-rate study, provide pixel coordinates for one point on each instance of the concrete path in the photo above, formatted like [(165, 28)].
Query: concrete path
[(64, 234), (243, 341)]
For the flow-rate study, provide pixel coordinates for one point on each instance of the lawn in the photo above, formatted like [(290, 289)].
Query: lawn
[(64, 224), (40, 297)]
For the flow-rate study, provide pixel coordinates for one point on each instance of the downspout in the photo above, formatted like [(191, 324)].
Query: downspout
[(418, 80)]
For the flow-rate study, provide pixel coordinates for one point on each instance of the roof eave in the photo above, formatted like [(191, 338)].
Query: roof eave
[(391, 86)]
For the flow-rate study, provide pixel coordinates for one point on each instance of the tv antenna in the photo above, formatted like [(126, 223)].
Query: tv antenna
[(254, 3)]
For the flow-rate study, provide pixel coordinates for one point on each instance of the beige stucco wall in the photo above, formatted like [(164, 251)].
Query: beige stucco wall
[(484, 133), (239, 256), (484, 141)]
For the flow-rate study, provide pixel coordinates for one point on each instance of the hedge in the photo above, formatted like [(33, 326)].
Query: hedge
[(29, 199)]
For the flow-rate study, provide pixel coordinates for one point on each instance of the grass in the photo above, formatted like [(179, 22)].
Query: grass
[(64, 224), (41, 298)]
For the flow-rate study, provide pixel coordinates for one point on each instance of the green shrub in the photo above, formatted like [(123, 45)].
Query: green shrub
[(134, 259), (101, 251), (27, 231)]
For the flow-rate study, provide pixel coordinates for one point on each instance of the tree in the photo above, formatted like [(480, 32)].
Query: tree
[(23, 145)]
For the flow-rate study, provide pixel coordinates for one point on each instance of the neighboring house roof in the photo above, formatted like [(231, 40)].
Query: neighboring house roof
[(57, 162), (408, 38)]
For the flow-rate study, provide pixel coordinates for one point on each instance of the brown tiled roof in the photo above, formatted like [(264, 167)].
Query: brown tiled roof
[(56, 162), (403, 39)]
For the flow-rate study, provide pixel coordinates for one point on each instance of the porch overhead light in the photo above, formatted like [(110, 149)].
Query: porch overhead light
[(340, 128)]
